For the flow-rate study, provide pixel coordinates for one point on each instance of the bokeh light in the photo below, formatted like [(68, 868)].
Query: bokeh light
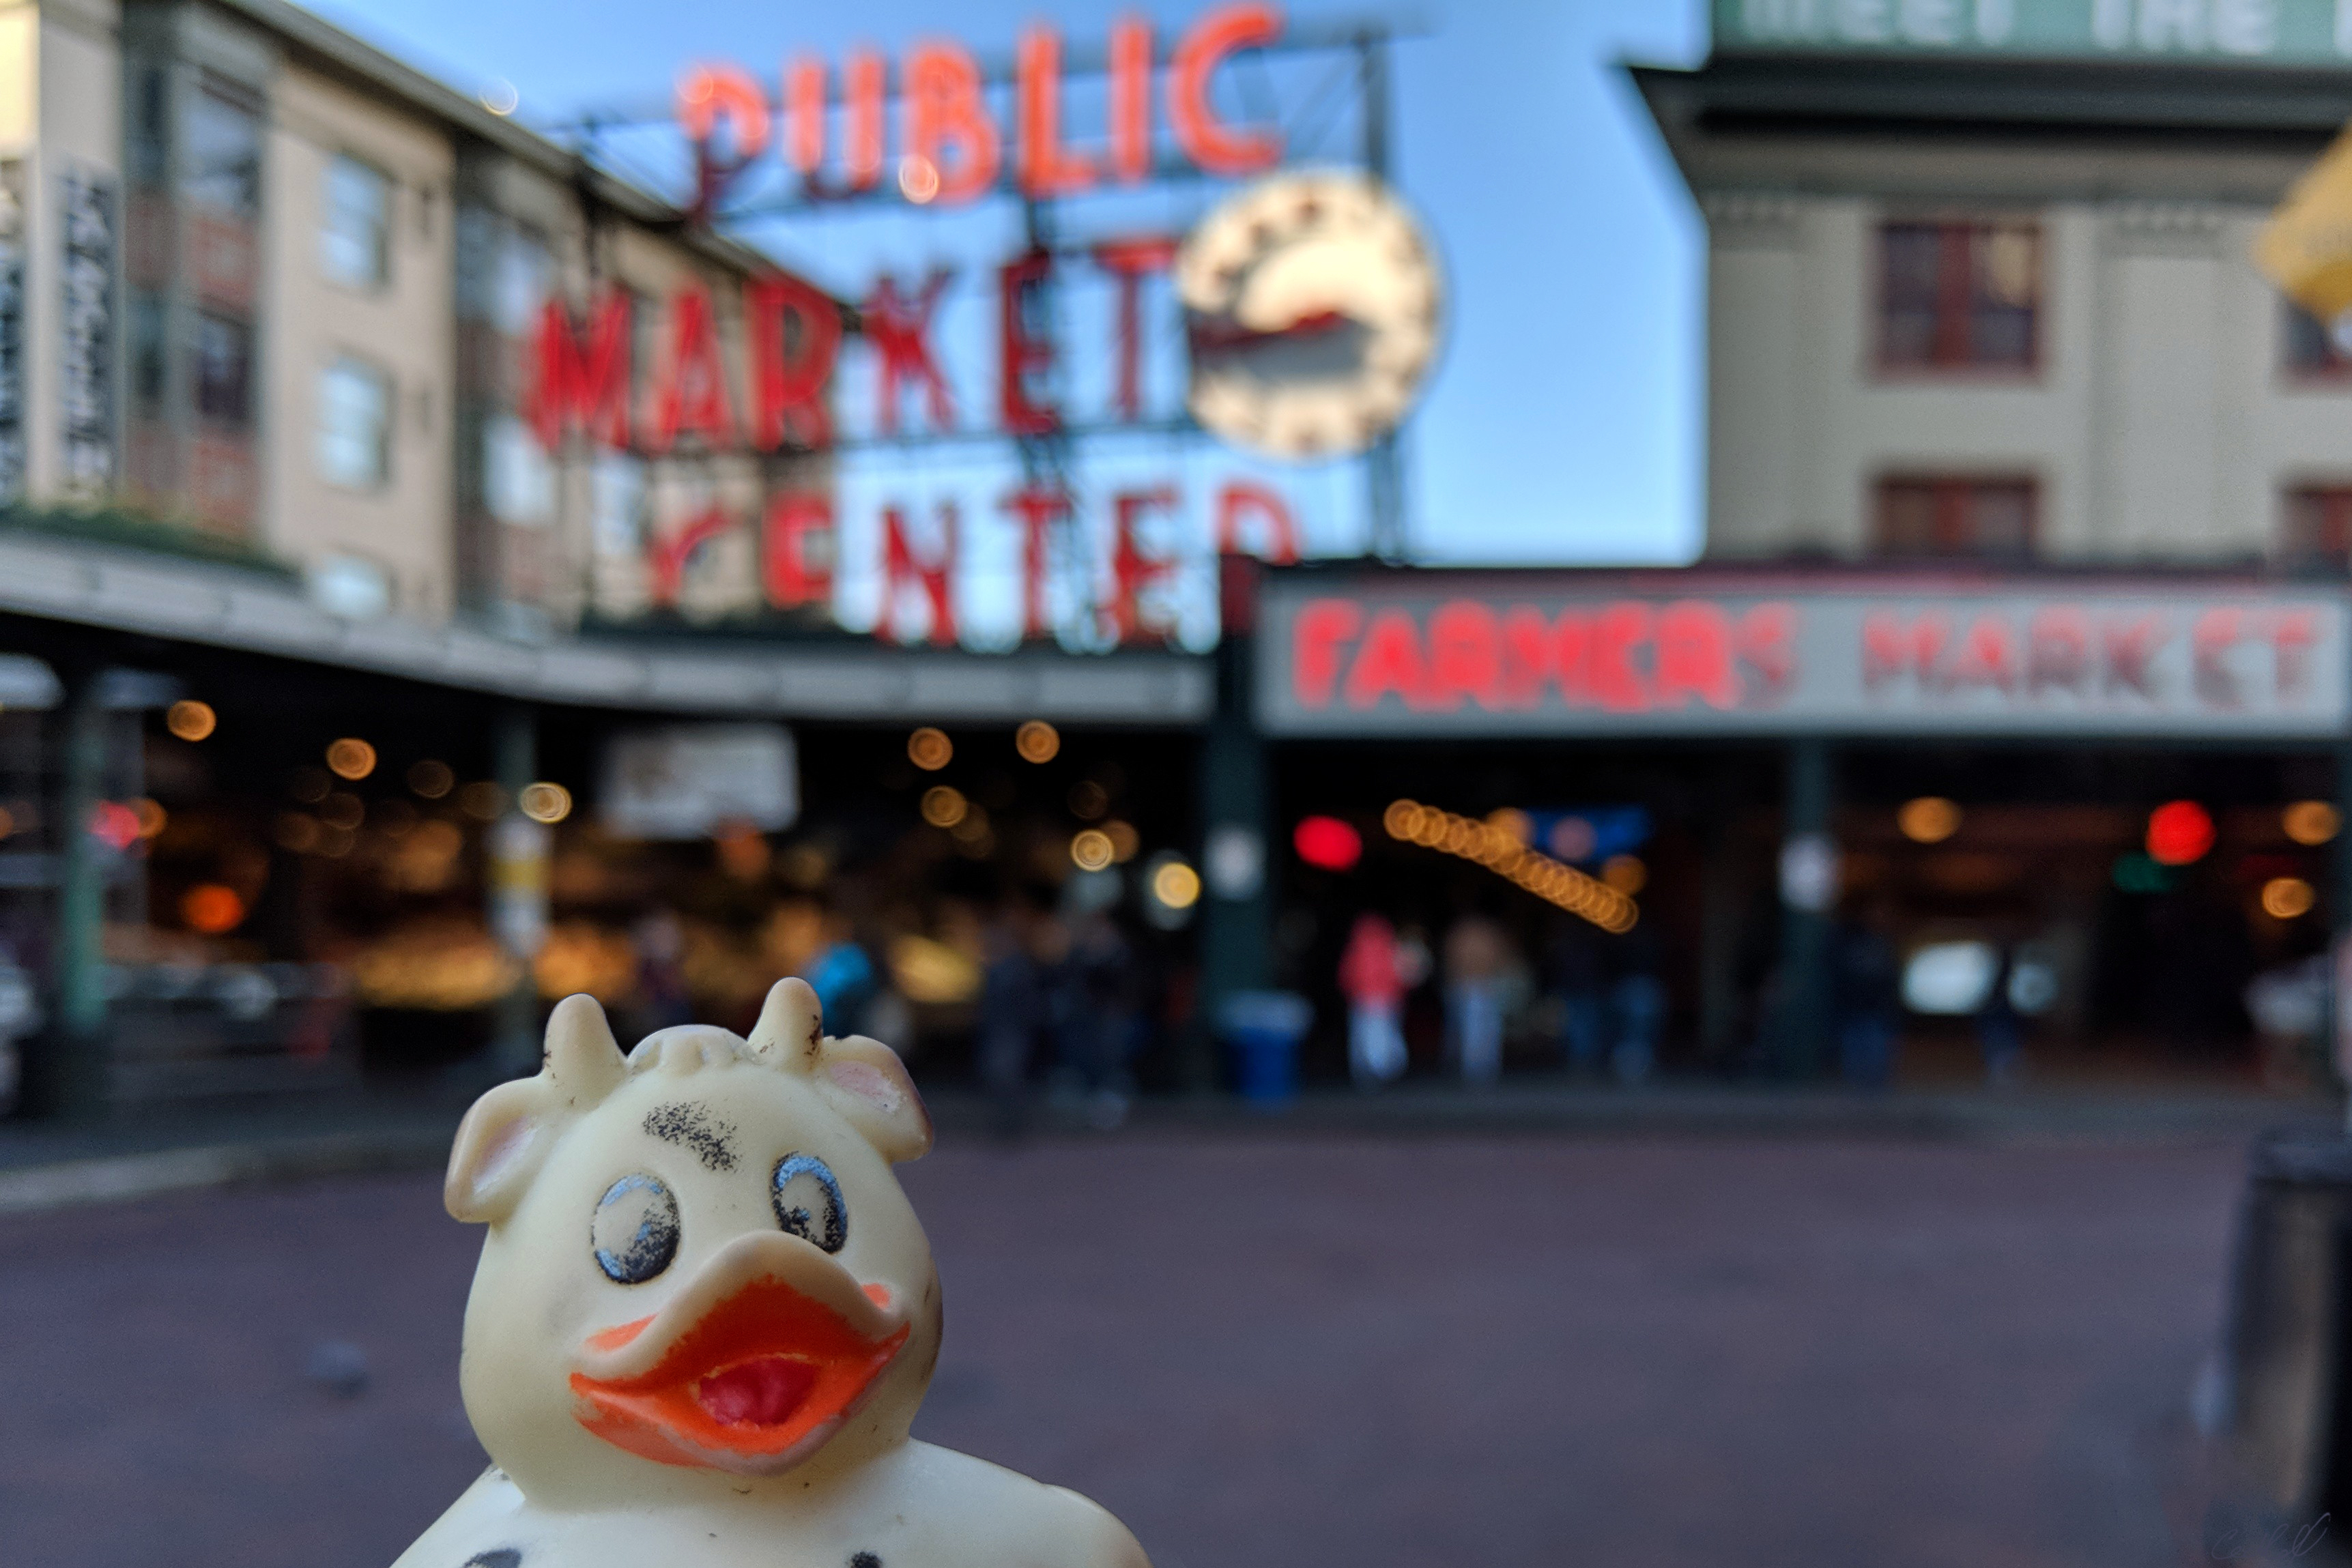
[(431, 779), (930, 749), (544, 801), (2285, 897), (1326, 843), (943, 807), (211, 909), (1038, 741), (2311, 822), (1091, 850), (1929, 820), (2179, 832), (1176, 885), (351, 758), (190, 720)]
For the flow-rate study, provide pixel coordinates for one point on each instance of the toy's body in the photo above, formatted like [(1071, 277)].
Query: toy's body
[(705, 1315)]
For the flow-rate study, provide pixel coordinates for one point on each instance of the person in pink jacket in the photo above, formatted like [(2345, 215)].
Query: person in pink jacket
[(1371, 977)]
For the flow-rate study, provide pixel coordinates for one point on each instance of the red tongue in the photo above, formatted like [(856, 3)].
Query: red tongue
[(759, 1392)]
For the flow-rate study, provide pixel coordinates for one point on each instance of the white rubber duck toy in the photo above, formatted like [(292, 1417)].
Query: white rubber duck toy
[(704, 1314)]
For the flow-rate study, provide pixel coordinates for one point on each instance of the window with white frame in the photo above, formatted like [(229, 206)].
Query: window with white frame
[(354, 424), (354, 240)]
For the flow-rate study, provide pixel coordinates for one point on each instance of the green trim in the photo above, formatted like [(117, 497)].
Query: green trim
[(132, 530)]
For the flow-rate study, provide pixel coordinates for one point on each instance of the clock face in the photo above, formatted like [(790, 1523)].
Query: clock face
[(1312, 306)]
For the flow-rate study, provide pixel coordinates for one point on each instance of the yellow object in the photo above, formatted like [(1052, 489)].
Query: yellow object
[(1177, 885), (2306, 247), (437, 967), (1626, 874), (705, 1305), (943, 806)]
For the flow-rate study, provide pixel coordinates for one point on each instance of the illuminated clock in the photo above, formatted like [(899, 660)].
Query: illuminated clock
[(1312, 305)]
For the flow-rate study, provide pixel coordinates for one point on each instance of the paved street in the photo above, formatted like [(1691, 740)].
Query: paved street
[(1261, 1353)]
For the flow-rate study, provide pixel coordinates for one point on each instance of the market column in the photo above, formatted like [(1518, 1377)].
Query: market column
[(68, 1075), (519, 852), (1236, 919), (1809, 893)]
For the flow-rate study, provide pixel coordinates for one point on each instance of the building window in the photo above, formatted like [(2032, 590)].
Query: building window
[(2319, 525), (354, 424), (223, 156), (354, 241), (1933, 517), (151, 352), (1959, 296), (2310, 347), (223, 371)]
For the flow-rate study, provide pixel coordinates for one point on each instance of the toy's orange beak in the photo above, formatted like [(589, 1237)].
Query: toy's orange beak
[(749, 1367)]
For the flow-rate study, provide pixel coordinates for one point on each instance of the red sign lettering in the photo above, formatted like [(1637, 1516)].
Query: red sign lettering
[(797, 551), (667, 557), (1465, 655), (1241, 499), (1320, 627), (587, 383), (795, 336), (1047, 168), (1694, 655), (1207, 139), (1133, 571), (1128, 261), (901, 566), (1388, 662), (899, 330), (693, 401), (948, 126), (1027, 350)]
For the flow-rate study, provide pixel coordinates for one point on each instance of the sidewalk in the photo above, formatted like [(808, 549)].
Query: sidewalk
[(48, 1166)]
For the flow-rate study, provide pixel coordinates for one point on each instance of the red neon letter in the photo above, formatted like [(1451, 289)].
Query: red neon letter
[(667, 557), (796, 553), (1617, 683), (898, 329), (1239, 499), (1047, 169), (1130, 99), (1208, 140), (2294, 634), (1132, 572), (1026, 347), (1571, 656), (901, 566), (1986, 656), (588, 385), (1694, 655), (708, 91), (1315, 637), (1768, 641), (1465, 655), (795, 335), (861, 154), (1527, 657), (2131, 649), (1128, 260), (804, 115), (2211, 638), (1039, 509), (2058, 649), (1888, 649), (694, 399), (944, 111), (1389, 661)]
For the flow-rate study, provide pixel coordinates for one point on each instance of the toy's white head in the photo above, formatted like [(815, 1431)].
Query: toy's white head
[(698, 1257)]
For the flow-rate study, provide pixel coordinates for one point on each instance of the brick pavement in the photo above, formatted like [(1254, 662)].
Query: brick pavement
[(1258, 1352)]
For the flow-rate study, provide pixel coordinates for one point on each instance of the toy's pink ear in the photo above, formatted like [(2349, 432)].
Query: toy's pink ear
[(864, 1080), (508, 1132)]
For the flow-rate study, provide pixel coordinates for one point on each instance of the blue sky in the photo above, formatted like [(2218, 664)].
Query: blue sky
[(1564, 423)]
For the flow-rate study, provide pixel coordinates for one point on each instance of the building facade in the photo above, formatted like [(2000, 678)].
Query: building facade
[(1995, 299)]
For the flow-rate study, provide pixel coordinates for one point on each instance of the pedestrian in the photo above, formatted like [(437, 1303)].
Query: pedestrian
[(842, 975), (1867, 984), (1477, 960), (2001, 1032), (1101, 1023), (1579, 977), (1371, 977), (1012, 1010), (1637, 1007)]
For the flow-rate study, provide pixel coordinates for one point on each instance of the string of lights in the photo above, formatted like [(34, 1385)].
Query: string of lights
[(1502, 852)]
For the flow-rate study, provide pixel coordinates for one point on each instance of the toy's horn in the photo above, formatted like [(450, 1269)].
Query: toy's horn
[(791, 1030), (581, 1057)]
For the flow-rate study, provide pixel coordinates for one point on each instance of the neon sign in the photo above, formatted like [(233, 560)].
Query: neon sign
[(951, 149)]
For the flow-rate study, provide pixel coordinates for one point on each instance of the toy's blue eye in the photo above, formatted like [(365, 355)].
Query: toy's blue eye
[(634, 1233), (808, 1201)]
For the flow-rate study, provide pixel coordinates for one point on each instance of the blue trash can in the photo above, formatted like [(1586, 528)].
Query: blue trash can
[(1263, 1029)]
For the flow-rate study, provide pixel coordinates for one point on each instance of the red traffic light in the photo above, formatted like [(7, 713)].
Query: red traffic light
[(2179, 831), (1328, 842)]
